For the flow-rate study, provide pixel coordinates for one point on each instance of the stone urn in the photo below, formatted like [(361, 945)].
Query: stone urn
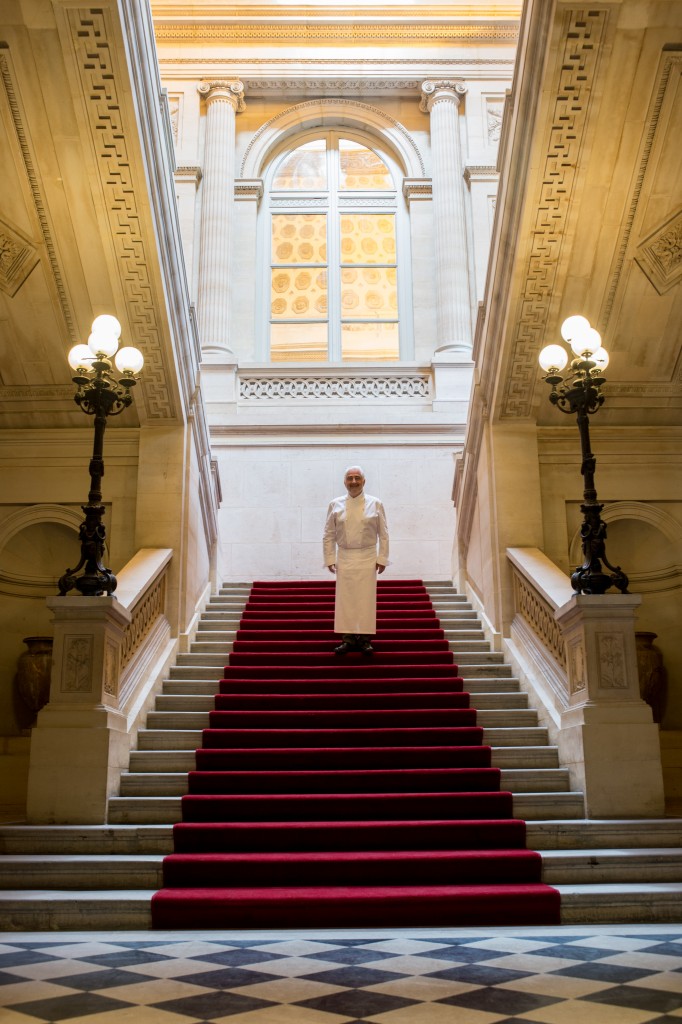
[(653, 678), (34, 669)]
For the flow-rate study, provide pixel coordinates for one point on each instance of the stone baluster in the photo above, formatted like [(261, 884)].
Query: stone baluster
[(224, 100), (441, 101)]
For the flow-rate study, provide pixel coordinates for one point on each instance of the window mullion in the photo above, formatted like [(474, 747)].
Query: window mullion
[(334, 253)]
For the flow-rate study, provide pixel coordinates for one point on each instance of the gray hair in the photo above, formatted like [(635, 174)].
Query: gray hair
[(354, 465)]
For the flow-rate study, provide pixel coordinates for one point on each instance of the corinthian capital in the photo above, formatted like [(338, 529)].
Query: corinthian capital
[(231, 90), (446, 88)]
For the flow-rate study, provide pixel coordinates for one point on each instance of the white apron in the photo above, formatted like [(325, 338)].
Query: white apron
[(353, 528), (355, 607)]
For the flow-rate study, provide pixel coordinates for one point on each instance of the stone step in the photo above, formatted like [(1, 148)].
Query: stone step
[(191, 739), (144, 870), (177, 719), (150, 761), (205, 702), (112, 840), (167, 809), (120, 910), (584, 835), (587, 867), (603, 833), (215, 672), (210, 686), (520, 780), (78, 871)]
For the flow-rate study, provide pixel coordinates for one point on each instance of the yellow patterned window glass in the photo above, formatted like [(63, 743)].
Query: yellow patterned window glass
[(360, 168), (305, 168), (299, 238), (298, 293), (370, 292), (370, 342), (368, 238)]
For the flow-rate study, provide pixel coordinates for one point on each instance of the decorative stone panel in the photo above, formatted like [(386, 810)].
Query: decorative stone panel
[(77, 664), (17, 258), (408, 385), (611, 653), (660, 255)]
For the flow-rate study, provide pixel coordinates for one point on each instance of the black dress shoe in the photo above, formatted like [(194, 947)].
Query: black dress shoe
[(367, 649), (343, 648)]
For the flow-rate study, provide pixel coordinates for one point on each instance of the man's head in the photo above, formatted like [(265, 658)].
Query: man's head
[(354, 479)]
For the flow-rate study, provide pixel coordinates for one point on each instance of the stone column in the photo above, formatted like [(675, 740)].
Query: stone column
[(441, 101), (224, 100)]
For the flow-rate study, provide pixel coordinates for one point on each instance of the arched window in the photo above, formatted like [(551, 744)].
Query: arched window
[(333, 235)]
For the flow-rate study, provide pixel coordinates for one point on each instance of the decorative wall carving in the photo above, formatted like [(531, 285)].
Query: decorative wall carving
[(671, 68), (494, 108), (581, 43), (611, 655), (577, 675), (408, 385), (111, 669), (660, 255), (539, 614), (18, 257), (174, 105), (77, 664), (99, 80), (32, 177)]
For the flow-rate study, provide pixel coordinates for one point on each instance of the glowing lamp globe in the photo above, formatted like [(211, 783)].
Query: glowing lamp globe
[(553, 357), (80, 358), (574, 325), (586, 342), (129, 360)]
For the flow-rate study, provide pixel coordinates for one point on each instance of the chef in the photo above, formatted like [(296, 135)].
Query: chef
[(356, 523)]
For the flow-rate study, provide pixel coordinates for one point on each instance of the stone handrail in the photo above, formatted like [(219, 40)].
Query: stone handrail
[(142, 592), (540, 589)]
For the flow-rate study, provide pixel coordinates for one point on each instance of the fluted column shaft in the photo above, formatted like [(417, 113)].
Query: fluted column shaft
[(441, 101), (223, 101)]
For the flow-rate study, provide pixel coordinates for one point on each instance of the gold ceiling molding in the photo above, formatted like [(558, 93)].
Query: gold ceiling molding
[(101, 88), (312, 30), (580, 46)]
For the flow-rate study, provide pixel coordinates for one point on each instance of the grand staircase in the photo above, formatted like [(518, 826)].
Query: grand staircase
[(101, 877)]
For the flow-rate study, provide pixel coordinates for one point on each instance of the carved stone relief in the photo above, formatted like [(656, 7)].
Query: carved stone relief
[(494, 109), (111, 660), (660, 255), (577, 677), (611, 653), (18, 257), (77, 664)]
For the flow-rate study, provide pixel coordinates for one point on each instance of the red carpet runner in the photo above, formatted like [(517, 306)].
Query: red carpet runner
[(346, 791)]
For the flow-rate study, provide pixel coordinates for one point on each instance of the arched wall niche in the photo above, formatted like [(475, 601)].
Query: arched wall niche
[(653, 567), (331, 113), (33, 553)]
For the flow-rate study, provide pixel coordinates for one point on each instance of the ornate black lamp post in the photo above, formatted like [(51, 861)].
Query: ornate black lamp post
[(579, 392), (100, 395)]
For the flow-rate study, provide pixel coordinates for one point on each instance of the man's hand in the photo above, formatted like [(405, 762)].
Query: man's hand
[(332, 568), (380, 568)]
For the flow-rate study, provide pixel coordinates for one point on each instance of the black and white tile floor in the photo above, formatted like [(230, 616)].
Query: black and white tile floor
[(571, 975)]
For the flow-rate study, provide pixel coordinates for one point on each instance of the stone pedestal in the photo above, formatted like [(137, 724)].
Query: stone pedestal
[(608, 738), (80, 742)]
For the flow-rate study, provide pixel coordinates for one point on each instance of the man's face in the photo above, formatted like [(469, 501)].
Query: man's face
[(354, 481)]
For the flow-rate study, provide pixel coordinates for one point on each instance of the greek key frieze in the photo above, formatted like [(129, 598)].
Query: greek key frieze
[(582, 35)]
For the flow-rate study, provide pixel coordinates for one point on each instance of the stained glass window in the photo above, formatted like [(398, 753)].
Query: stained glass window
[(334, 272)]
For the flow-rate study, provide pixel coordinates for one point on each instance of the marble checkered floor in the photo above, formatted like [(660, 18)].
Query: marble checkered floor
[(570, 975)]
